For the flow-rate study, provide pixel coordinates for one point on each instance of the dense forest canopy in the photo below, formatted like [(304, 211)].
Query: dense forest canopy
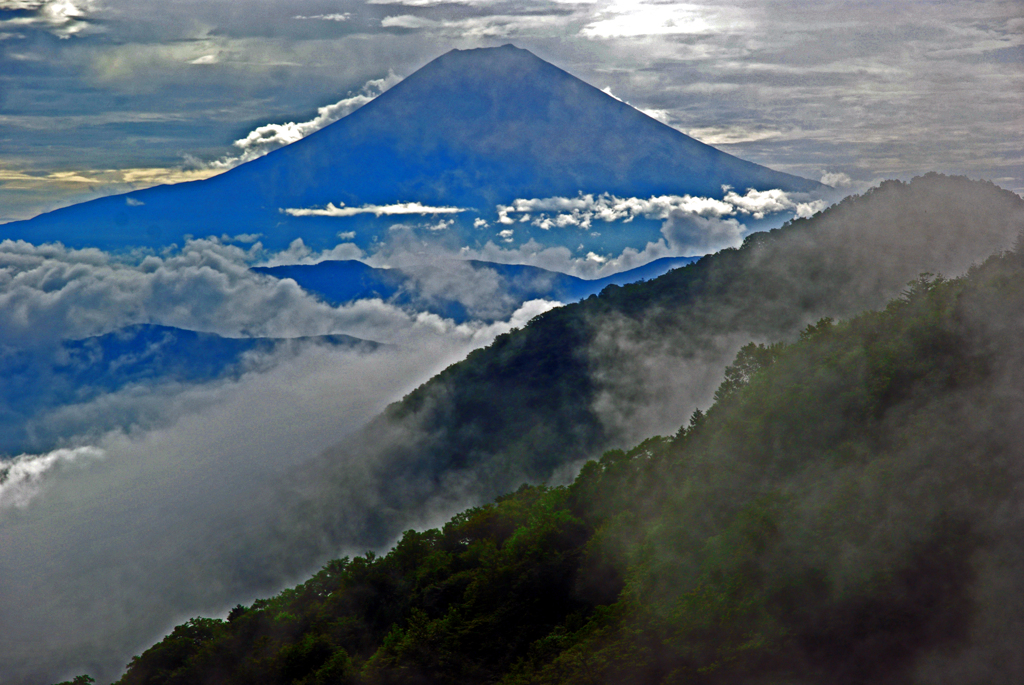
[(846, 511)]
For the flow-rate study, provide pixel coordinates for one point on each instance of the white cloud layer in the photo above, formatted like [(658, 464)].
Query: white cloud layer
[(338, 16), (836, 179), (398, 208), (581, 211), (50, 293), (269, 137), (22, 478)]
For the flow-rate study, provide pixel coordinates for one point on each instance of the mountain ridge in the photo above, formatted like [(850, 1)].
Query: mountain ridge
[(635, 360), (40, 381), (344, 281)]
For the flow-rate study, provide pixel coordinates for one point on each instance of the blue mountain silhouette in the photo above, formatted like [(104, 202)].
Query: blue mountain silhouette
[(40, 380), (471, 129), (342, 281)]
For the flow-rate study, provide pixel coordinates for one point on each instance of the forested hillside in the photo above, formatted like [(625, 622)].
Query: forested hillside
[(848, 510), (635, 360)]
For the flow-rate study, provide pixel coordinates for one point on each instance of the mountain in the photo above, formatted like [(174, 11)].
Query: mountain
[(40, 381), (435, 287), (614, 369), (637, 360), (847, 511), (470, 130)]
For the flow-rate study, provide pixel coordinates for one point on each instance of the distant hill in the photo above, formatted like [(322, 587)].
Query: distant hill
[(40, 380), (846, 512), (470, 130), (343, 281)]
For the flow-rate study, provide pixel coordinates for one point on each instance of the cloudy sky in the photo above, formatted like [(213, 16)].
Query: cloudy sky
[(100, 95)]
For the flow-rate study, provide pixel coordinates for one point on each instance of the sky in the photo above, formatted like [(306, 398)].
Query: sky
[(101, 96)]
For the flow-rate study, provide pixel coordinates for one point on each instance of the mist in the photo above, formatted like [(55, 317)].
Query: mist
[(613, 370), (162, 499), (103, 553), (654, 367)]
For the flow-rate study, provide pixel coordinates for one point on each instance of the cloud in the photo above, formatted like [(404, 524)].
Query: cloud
[(408, 21), (50, 293), (342, 16), (607, 90), (441, 225), (581, 211), (488, 26), (691, 226), (299, 253), (377, 210), (409, 3), (662, 115), (264, 139), (692, 234), (731, 135), (629, 19), (22, 477), (102, 556), (62, 18), (759, 203), (482, 291), (836, 179), (561, 258)]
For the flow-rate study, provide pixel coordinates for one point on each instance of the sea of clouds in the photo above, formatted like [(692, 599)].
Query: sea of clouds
[(151, 504)]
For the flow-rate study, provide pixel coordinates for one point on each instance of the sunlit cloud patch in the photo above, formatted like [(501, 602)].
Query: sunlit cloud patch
[(23, 477), (583, 210), (269, 137), (399, 208)]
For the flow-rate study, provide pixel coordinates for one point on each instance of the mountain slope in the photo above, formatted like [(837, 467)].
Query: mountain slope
[(846, 512), (637, 360), (469, 130)]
